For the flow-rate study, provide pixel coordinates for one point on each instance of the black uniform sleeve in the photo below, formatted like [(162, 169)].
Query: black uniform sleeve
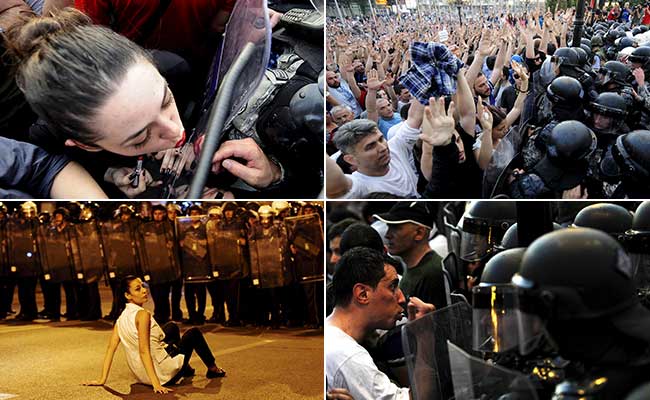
[(28, 168)]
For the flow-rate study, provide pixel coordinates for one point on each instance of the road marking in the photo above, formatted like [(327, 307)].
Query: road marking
[(7, 396), (244, 347)]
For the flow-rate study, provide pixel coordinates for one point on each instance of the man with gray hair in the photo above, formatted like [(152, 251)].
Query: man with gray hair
[(380, 166), (341, 114)]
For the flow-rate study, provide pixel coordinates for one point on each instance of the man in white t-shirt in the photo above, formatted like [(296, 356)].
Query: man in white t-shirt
[(380, 166), (367, 297)]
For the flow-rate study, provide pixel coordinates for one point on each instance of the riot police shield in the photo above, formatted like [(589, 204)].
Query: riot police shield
[(504, 158), (87, 255), (120, 251), (192, 238), (425, 348), (158, 253), (22, 251), (306, 233), (227, 246), (269, 255), (56, 259), (473, 378)]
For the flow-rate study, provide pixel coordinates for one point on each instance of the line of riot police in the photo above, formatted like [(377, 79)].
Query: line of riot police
[(548, 304), (586, 122), (258, 262)]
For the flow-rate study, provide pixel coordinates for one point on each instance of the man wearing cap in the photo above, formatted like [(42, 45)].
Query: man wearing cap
[(409, 226), (367, 297)]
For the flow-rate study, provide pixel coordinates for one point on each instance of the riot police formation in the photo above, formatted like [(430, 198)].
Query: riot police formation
[(79, 250), (557, 311)]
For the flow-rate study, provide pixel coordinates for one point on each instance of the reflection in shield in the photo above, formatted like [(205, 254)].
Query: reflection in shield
[(56, 259), (87, 254), (158, 253), (269, 255), (22, 249), (425, 349), (193, 242), (120, 253), (307, 234), (227, 246)]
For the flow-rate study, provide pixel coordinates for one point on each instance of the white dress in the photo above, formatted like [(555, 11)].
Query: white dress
[(166, 367)]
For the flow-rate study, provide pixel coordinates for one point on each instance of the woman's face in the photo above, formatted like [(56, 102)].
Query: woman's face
[(141, 117), (499, 131), (138, 292)]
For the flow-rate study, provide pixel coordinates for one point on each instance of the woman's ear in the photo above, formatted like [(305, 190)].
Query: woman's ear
[(82, 146)]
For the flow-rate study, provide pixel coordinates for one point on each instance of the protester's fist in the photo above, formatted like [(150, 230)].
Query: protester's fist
[(416, 308)]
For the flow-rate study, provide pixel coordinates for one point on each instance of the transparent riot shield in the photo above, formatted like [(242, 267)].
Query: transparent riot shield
[(87, 255), (193, 242), (501, 164), (473, 379), (306, 233), (227, 247), (249, 23), (56, 258), (425, 348), (22, 250), (120, 250), (160, 261), (269, 255)]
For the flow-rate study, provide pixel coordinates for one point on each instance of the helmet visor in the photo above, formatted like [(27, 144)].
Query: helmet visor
[(494, 318), (531, 323), (473, 246)]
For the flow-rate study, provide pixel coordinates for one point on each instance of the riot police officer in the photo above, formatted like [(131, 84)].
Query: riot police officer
[(576, 290), (565, 97), (193, 242), (7, 283), (564, 166), (484, 224), (28, 272), (609, 218), (636, 242), (608, 114), (616, 77), (626, 166)]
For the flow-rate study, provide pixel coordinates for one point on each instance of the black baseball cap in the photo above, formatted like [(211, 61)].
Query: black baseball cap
[(417, 212)]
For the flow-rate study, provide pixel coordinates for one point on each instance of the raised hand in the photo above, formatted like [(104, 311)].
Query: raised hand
[(438, 126), (520, 70), (484, 116), (373, 82)]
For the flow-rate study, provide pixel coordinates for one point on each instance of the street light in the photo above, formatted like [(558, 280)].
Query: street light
[(459, 4)]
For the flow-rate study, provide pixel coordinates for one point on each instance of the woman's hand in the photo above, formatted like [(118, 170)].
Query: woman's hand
[(161, 389), (484, 117), (122, 178), (94, 383)]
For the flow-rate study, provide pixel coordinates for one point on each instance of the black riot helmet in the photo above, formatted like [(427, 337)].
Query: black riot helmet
[(583, 57), (573, 278), (629, 157), (567, 59), (586, 42), (484, 224), (609, 218), (637, 243), (641, 56), (625, 42), (501, 268), (587, 49), (596, 41), (612, 109), (567, 150), (615, 72), (612, 35), (494, 317), (511, 237), (565, 89)]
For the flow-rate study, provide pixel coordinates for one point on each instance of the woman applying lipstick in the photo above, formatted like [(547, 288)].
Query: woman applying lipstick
[(95, 90), (156, 356)]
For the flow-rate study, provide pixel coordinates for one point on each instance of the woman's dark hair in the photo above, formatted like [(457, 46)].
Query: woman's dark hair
[(498, 115), (122, 290), (69, 68)]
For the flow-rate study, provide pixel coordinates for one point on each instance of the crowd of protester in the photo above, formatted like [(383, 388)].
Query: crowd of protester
[(505, 105)]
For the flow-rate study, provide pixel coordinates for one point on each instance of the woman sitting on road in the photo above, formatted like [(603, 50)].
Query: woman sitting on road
[(156, 356)]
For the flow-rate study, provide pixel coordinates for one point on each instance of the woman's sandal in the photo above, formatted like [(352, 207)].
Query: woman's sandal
[(219, 373)]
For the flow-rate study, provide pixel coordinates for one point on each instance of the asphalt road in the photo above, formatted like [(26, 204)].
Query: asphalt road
[(44, 360)]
